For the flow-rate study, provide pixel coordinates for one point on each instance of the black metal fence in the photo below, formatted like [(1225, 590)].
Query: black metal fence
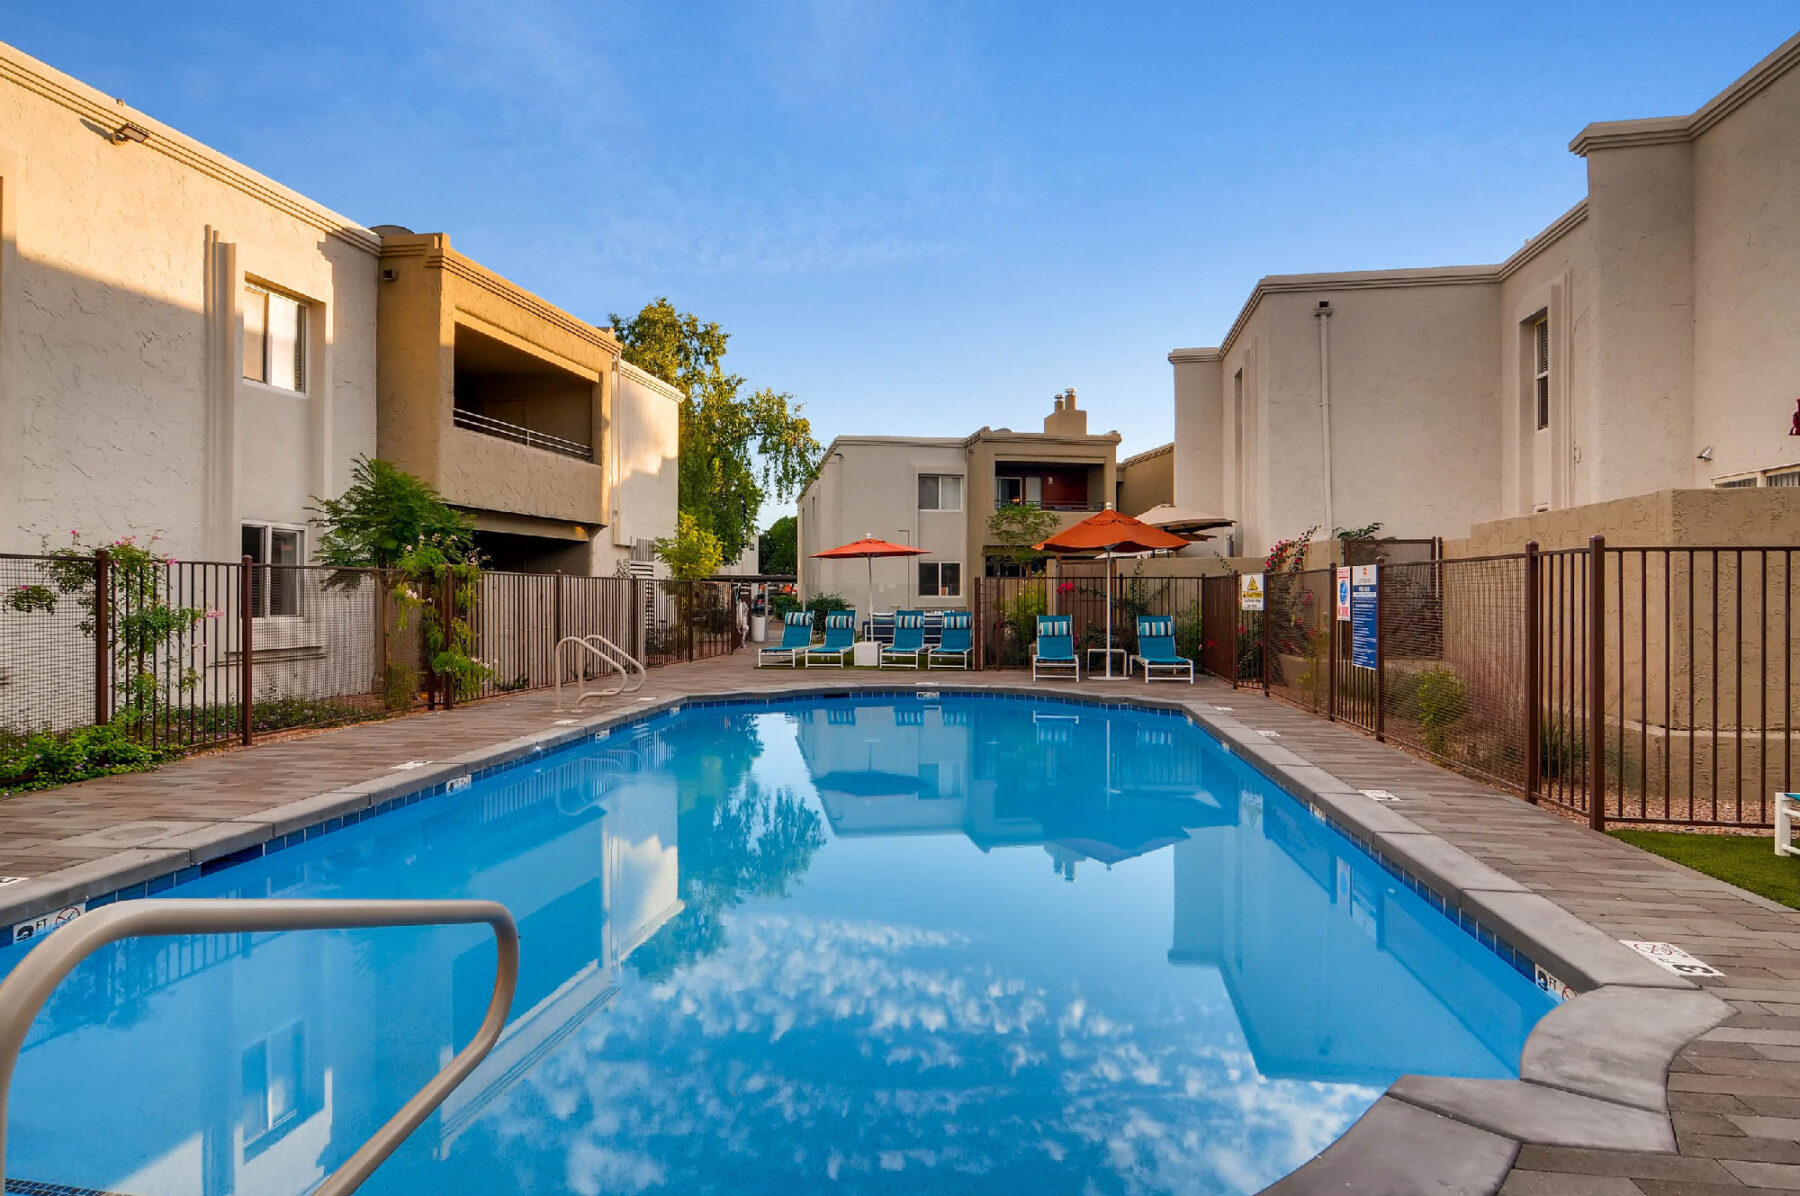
[(188, 655), (1627, 685)]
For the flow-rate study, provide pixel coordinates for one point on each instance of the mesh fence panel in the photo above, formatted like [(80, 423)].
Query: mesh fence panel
[(1299, 608), (46, 655), (692, 620), (1453, 644), (322, 643)]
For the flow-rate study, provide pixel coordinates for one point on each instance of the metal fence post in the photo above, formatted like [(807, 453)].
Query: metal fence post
[(1267, 610), (1380, 656), (978, 633), (102, 637), (1331, 649), (1534, 712), (246, 650), (1596, 682), (689, 620), (447, 605)]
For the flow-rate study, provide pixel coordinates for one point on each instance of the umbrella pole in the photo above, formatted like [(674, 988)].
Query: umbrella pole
[(871, 561), (1109, 590)]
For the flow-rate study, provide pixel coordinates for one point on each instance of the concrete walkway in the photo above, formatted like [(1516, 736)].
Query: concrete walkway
[(1734, 1093)]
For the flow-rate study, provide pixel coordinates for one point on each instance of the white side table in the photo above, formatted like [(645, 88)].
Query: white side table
[(866, 654), (1108, 653), (1787, 815)]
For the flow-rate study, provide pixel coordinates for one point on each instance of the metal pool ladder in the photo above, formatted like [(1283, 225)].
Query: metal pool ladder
[(632, 673), (24, 992)]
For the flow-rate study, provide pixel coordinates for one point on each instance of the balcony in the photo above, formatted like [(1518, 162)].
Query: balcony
[(1073, 486), (475, 421)]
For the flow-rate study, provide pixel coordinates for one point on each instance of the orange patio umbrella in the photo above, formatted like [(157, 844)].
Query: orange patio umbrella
[(868, 548), (1107, 533)]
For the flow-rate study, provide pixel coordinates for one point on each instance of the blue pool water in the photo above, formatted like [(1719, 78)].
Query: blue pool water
[(877, 945)]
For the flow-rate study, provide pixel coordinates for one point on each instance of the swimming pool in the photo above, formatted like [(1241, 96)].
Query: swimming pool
[(885, 943)]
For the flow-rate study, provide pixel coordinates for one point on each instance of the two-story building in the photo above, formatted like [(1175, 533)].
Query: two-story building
[(938, 493), (1648, 339), (190, 350)]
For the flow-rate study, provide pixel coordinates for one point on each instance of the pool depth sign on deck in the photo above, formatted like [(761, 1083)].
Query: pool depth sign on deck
[(1365, 618)]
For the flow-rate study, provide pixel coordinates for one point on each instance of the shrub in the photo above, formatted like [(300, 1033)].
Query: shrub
[(399, 686), (1442, 699), (818, 604), (45, 760), (1561, 751)]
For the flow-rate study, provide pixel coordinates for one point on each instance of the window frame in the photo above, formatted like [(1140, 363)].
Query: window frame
[(1759, 478), (937, 568), (260, 589), (1539, 331), (940, 479), (302, 337)]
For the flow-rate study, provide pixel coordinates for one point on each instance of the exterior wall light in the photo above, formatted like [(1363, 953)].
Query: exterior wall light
[(130, 132)]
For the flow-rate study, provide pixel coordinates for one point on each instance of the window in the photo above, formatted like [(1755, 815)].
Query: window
[(940, 492), (1540, 356), (1008, 491), (1785, 476), (274, 593), (274, 339), (940, 579), (274, 1071)]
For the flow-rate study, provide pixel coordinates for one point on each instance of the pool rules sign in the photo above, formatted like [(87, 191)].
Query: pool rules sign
[(1365, 616)]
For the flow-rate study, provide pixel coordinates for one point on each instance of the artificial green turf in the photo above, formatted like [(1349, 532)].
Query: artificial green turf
[(1748, 862)]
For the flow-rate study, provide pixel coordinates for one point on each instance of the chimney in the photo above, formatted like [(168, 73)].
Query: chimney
[(1065, 418)]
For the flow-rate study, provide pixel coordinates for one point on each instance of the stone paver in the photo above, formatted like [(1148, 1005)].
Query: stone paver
[(1733, 1094)]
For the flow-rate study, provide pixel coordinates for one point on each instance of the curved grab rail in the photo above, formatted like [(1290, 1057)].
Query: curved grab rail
[(602, 657), (24, 991), (623, 658)]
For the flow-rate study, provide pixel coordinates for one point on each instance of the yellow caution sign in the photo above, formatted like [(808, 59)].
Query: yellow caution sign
[(1250, 591)]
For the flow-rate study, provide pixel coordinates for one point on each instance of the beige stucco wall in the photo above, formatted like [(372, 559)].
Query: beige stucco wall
[(1746, 338), (434, 290), (1692, 518), (1146, 481), (644, 447), (1673, 296), (869, 486), (122, 408)]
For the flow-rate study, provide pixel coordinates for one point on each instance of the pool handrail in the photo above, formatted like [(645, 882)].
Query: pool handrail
[(632, 673), (24, 991), (624, 660)]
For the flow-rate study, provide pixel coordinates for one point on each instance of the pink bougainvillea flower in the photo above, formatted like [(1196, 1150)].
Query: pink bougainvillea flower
[(215, 614)]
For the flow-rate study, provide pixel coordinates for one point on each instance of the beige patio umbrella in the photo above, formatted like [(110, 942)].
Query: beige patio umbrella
[(1182, 521)]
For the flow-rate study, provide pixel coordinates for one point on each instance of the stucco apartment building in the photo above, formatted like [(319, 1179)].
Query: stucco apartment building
[(938, 493), (190, 349), (1647, 340)]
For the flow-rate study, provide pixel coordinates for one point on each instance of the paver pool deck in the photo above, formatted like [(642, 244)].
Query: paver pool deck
[(1732, 1094)]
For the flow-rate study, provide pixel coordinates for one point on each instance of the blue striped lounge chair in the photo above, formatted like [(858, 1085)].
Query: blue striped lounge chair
[(796, 637), (908, 649), (840, 636), (1054, 653), (955, 648), (1156, 650)]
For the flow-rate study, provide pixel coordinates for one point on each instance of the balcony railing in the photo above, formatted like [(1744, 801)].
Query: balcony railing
[(487, 425), (1046, 505)]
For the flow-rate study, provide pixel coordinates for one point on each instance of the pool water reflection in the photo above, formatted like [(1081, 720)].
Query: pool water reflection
[(878, 945)]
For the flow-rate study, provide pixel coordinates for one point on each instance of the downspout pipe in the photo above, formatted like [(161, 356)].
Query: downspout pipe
[(1323, 315)]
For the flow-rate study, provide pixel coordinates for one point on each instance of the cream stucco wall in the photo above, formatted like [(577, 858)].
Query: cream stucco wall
[(122, 265)]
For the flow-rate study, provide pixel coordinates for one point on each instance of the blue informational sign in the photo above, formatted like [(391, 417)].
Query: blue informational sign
[(1364, 617)]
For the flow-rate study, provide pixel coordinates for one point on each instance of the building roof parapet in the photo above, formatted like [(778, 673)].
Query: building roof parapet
[(1669, 130), (106, 113), (435, 249), (1161, 450)]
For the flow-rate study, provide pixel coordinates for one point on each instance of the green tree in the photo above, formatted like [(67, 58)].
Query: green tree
[(1016, 528), (692, 553), (778, 549), (736, 451), (384, 515)]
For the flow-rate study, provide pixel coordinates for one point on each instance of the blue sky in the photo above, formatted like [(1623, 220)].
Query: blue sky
[(917, 216)]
